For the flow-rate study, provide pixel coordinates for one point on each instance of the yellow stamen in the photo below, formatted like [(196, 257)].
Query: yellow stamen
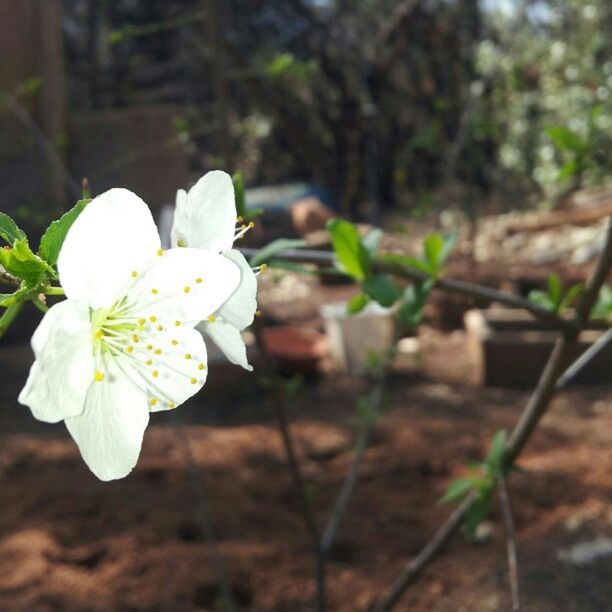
[(153, 401), (99, 376), (160, 252), (155, 373), (149, 362), (175, 342), (187, 356), (154, 291), (194, 381), (171, 405), (141, 322), (177, 323), (134, 274), (153, 319), (130, 349), (198, 280), (212, 319), (187, 289), (149, 347), (157, 351), (201, 366), (160, 328), (99, 334), (135, 337)]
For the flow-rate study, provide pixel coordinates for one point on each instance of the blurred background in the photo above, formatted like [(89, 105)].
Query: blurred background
[(493, 117)]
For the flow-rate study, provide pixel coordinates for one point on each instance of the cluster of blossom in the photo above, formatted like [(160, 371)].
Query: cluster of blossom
[(124, 343)]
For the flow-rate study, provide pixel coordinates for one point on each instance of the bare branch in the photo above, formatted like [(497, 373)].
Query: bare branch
[(510, 543)]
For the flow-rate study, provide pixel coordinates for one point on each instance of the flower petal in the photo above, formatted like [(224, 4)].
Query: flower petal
[(229, 340), (64, 366), (184, 285), (240, 309), (178, 372), (114, 236), (205, 218), (109, 432)]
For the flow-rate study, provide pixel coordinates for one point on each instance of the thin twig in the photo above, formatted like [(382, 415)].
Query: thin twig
[(535, 409), (203, 515), (280, 411), (510, 542), (384, 265), (375, 400), (9, 279)]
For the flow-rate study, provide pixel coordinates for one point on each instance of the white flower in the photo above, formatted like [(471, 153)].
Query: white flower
[(205, 218), (123, 344)]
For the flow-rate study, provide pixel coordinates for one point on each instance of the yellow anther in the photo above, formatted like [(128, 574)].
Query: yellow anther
[(187, 356), (141, 322), (130, 349), (178, 323), (155, 373), (99, 334), (258, 313), (99, 376), (212, 319), (160, 252), (174, 342), (149, 362), (157, 351), (135, 337), (239, 220), (154, 291), (153, 401), (187, 289), (251, 224), (198, 280), (134, 274), (263, 267), (153, 319), (160, 328), (149, 347), (201, 366), (194, 381), (171, 405)]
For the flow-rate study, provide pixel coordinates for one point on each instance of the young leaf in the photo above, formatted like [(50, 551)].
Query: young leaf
[(541, 299), (9, 230), (603, 305), (274, 248), (372, 241), (411, 262), (53, 238), (382, 289), (450, 240), (357, 303), (239, 194), (350, 252), (457, 490), (477, 513), (434, 250), (22, 263), (566, 139), (413, 301), (570, 295), (555, 291), (495, 456)]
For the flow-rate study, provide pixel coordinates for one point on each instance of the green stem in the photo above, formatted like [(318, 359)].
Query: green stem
[(10, 314), (39, 304), (54, 291)]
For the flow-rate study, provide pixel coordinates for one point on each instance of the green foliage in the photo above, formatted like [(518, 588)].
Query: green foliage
[(53, 238), (287, 65), (274, 248), (556, 298), (21, 262), (352, 256), (9, 231), (357, 303), (413, 302), (482, 482), (382, 289), (603, 305), (372, 241)]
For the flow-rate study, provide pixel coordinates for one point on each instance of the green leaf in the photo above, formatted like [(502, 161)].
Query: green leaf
[(570, 295), (9, 231), (450, 240), (274, 248), (350, 252), (566, 139), (568, 169), (457, 490), (410, 262), (21, 262), (372, 241), (476, 514), (357, 303), (540, 298), (555, 290), (495, 456), (434, 251), (603, 305), (53, 239), (382, 289), (413, 301)]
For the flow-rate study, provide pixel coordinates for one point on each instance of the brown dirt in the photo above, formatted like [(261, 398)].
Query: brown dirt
[(70, 542)]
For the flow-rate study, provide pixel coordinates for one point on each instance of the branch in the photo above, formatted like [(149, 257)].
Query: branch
[(510, 542), (457, 286), (9, 279), (535, 409), (8, 316)]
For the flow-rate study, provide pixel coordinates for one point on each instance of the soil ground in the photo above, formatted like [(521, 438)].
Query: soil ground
[(70, 542)]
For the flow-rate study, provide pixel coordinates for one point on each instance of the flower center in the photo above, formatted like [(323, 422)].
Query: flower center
[(112, 328)]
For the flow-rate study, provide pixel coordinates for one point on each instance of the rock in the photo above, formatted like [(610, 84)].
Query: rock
[(309, 215)]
